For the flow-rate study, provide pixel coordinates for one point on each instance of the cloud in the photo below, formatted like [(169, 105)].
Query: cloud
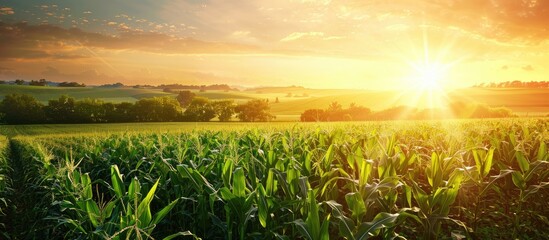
[(240, 33), (308, 35), (123, 27), (6, 11), (502, 20), (508, 21), (243, 36), (25, 41), (22, 41), (6, 73), (528, 68), (318, 2), (398, 27), (297, 35), (91, 75), (140, 76)]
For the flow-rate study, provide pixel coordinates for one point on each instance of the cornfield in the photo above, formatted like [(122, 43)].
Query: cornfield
[(412, 180)]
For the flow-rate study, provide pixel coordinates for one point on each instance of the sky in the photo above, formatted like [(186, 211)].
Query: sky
[(357, 44)]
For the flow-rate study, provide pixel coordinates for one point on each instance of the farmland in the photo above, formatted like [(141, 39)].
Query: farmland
[(116, 95), (481, 179), (292, 101)]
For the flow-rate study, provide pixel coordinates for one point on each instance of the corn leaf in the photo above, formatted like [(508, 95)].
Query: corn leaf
[(144, 209), (381, 220), (117, 183)]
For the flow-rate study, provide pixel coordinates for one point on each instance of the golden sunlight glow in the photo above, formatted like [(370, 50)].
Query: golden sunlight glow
[(430, 76), (426, 85)]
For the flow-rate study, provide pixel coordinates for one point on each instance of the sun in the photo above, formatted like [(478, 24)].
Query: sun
[(429, 76), (425, 84)]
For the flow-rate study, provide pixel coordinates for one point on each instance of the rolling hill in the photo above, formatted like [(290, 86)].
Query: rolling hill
[(43, 94), (292, 101)]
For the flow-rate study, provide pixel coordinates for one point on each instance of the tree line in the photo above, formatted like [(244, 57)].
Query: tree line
[(335, 112), (43, 82), (514, 84), (25, 109)]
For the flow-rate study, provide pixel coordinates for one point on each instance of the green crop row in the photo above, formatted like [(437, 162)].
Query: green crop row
[(5, 184), (477, 179)]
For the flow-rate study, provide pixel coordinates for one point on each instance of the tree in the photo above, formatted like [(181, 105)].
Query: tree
[(67, 110), (224, 109), (199, 110), (171, 111), (61, 110), (113, 85), (184, 98), (398, 112), (255, 110), (120, 112), (335, 112), (41, 82), (313, 115), (89, 111), (485, 111), (19, 82), (335, 107), (148, 110), (357, 112), (71, 84), (157, 109), (22, 109)]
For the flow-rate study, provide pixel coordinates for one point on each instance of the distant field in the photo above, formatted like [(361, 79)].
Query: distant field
[(111, 128), (292, 101), (173, 127), (179, 127), (116, 95), (520, 100), (64, 130)]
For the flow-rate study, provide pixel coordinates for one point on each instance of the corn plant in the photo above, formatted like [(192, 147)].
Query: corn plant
[(5, 184), (386, 180), (435, 204)]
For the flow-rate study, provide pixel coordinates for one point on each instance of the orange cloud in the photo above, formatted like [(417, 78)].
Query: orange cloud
[(504, 20), (26, 41), (6, 73), (528, 68), (6, 11), (297, 35)]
